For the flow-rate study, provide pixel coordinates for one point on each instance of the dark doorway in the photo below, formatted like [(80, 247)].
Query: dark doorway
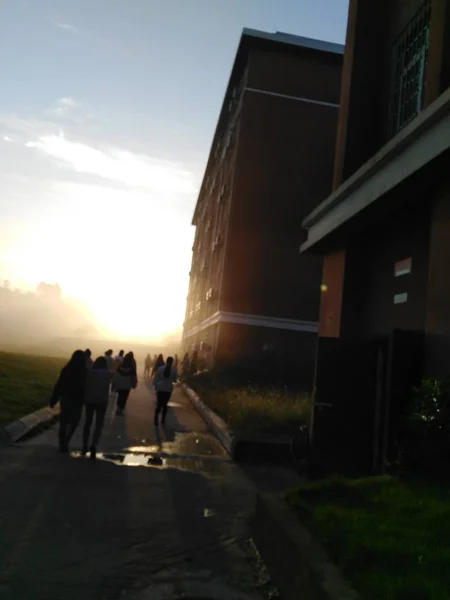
[(347, 391)]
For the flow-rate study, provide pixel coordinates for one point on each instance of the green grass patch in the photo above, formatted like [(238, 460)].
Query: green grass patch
[(391, 539), (249, 409), (26, 383)]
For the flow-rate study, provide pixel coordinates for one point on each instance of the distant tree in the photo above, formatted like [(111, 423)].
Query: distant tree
[(49, 291)]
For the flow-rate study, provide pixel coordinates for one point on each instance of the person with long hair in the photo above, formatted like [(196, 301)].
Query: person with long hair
[(164, 379), (125, 379), (69, 391), (96, 402), (159, 362)]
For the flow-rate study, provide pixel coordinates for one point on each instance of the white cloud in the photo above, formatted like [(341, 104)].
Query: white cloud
[(65, 107), (69, 102), (7, 138), (119, 165), (67, 27)]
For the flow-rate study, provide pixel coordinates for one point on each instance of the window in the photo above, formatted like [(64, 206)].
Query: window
[(410, 58)]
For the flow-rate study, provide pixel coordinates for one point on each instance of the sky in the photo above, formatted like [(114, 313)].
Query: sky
[(107, 113)]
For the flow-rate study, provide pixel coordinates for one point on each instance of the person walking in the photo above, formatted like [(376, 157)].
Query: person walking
[(159, 362), (69, 391), (96, 403), (125, 379), (176, 361), (109, 361), (164, 379), (118, 360), (89, 361), (148, 365), (193, 363), (185, 364)]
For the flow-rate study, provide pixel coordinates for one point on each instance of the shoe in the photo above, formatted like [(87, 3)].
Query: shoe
[(84, 451), (63, 449), (93, 453)]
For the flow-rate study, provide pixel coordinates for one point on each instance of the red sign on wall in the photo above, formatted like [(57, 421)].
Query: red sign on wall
[(403, 267)]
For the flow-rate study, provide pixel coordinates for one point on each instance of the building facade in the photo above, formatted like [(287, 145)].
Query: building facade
[(384, 232), (271, 161)]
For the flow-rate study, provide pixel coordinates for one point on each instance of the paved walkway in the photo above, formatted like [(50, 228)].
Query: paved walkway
[(158, 515)]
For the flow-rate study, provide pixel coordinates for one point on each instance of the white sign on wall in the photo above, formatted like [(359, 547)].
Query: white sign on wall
[(401, 298)]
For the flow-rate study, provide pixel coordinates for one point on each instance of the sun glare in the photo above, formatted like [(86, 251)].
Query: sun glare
[(119, 252)]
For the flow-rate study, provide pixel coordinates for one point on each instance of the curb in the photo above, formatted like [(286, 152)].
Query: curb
[(298, 564), (13, 432), (214, 422)]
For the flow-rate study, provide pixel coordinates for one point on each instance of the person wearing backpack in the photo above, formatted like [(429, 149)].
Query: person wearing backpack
[(164, 379)]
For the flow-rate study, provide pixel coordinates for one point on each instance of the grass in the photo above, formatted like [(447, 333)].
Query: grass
[(254, 410), (26, 383), (391, 539)]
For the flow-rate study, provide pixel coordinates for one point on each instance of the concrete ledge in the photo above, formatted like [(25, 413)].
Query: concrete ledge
[(217, 425), (257, 448), (299, 566), (13, 432)]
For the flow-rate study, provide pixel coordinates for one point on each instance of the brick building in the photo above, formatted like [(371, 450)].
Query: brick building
[(384, 231), (270, 164)]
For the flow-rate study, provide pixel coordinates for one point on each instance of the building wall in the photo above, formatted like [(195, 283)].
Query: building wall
[(275, 166), (292, 351), (368, 304), (331, 298), (284, 170), (373, 28), (312, 75), (437, 328)]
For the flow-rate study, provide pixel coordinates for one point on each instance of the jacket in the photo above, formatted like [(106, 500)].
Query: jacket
[(125, 378), (69, 385), (97, 387), (161, 383)]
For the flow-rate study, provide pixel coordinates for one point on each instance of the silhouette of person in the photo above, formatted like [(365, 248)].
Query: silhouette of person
[(69, 391)]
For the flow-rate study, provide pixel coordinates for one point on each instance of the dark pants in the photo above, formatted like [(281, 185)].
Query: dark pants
[(69, 417), (162, 400), (122, 397), (99, 410)]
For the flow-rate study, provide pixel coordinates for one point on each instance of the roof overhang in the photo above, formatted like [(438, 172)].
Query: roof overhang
[(422, 141)]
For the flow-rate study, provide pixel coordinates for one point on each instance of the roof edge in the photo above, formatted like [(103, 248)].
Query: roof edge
[(295, 40)]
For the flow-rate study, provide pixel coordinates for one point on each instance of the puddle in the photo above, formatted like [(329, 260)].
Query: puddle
[(191, 464), (191, 452), (200, 444)]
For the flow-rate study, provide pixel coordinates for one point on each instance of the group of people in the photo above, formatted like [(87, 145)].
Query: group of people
[(188, 364), (85, 383)]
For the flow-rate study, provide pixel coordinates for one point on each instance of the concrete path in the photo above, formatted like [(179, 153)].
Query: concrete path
[(159, 515)]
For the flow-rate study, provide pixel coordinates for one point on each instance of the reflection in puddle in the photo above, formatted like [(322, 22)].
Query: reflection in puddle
[(194, 444), (181, 463)]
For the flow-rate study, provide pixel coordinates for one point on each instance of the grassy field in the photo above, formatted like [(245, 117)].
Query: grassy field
[(252, 410), (25, 383), (390, 539)]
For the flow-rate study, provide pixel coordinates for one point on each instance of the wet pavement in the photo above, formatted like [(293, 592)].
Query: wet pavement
[(161, 514)]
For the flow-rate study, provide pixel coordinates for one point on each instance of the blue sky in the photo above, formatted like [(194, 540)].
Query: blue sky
[(107, 112)]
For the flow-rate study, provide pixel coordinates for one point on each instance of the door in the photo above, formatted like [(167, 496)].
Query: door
[(346, 398)]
